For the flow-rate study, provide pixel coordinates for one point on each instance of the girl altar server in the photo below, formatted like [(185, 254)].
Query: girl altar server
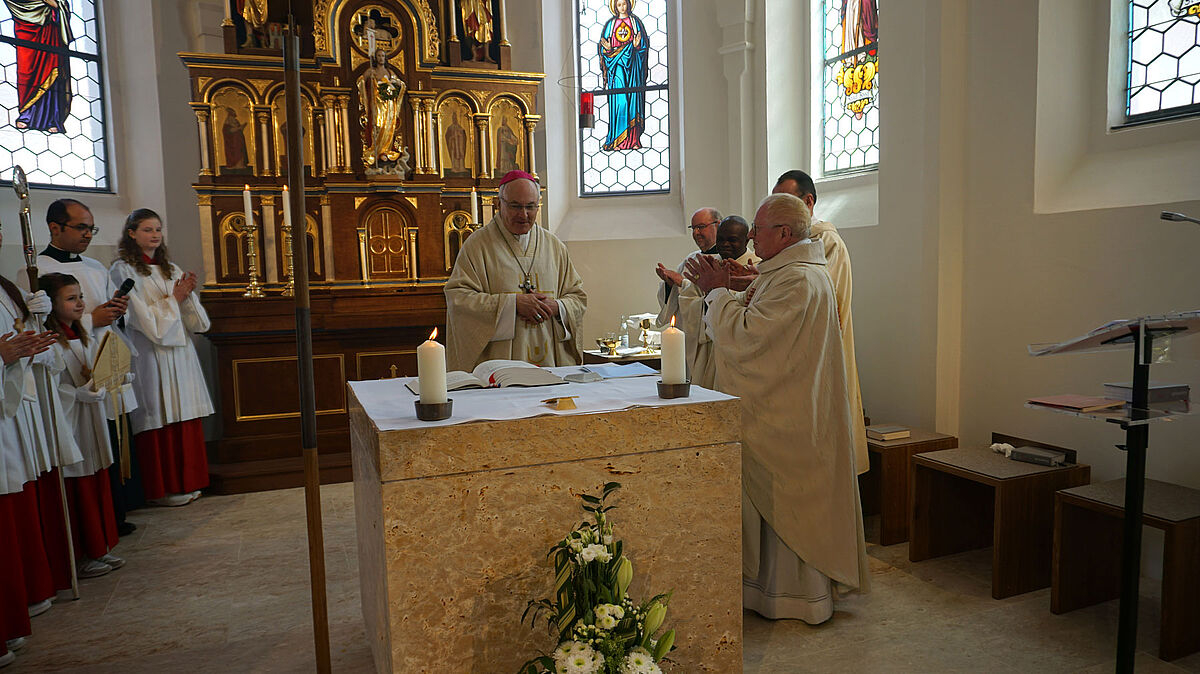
[(93, 520), (172, 396), (33, 544)]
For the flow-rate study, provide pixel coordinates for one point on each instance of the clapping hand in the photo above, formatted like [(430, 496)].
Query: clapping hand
[(24, 344), (740, 276), (184, 286), (670, 276), (707, 273)]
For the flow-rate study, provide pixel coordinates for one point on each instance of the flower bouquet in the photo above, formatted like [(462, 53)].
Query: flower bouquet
[(600, 629)]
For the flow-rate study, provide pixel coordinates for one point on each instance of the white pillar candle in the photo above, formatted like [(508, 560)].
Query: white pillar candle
[(674, 364), (431, 370), (474, 205), (287, 207), (249, 209)]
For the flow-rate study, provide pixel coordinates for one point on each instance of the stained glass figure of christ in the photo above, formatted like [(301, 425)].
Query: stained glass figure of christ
[(43, 75), (623, 48)]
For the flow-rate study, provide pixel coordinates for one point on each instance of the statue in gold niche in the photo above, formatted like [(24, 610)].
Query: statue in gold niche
[(254, 13), (381, 99)]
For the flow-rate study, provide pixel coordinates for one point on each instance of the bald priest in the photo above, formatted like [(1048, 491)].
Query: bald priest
[(513, 293)]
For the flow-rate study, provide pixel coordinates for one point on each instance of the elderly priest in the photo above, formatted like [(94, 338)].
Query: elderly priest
[(514, 293), (778, 348)]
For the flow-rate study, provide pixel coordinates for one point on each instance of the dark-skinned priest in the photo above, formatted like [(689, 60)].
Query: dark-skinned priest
[(514, 294), (779, 349)]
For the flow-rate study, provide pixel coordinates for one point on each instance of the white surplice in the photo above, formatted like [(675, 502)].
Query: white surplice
[(169, 383), (87, 418)]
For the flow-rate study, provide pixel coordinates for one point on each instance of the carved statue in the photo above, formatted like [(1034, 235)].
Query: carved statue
[(381, 98), (477, 21), (254, 13)]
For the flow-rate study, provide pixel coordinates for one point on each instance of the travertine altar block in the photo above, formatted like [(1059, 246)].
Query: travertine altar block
[(454, 523)]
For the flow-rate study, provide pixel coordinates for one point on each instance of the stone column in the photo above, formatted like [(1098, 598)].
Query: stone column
[(531, 122), (431, 121), (207, 249), (266, 165), (202, 115), (343, 112), (327, 235), (321, 139), (419, 163), (484, 157)]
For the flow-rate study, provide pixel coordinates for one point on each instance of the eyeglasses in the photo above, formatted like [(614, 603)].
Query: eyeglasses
[(754, 227), (83, 228), (704, 226), (532, 208)]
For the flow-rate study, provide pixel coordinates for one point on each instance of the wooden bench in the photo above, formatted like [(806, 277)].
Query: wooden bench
[(884, 488), (1087, 554), (964, 499)]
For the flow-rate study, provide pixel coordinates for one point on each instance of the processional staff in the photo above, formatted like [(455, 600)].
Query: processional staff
[(46, 386)]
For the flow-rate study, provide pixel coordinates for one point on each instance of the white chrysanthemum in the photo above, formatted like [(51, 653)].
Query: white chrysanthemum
[(564, 651), (606, 622), (583, 663), (595, 551), (580, 648), (639, 661)]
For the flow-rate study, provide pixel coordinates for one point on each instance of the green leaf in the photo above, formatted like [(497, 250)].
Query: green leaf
[(590, 499), (664, 645)]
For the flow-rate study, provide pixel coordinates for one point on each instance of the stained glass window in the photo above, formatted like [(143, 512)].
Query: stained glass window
[(622, 48), (1164, 59), (52, 94), (850, 85)]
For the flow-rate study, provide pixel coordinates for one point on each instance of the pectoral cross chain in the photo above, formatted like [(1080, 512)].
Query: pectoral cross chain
[(526, 286)]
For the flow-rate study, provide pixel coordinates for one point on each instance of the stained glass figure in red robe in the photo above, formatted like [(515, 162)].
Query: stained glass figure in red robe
[(43, 74)]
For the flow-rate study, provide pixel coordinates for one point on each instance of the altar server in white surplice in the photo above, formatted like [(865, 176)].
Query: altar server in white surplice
[(514, 294), (703, 227), (837, 263), (779, 349), (732, 237), (164, 311)]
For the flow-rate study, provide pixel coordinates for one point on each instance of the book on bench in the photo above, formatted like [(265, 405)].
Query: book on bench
[(1078, 403), (884, 432), (495, 374)]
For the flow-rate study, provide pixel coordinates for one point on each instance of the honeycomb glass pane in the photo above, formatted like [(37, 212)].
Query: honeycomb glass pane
[(1164, 43), (622, 62), (849, 86), (52, 119)]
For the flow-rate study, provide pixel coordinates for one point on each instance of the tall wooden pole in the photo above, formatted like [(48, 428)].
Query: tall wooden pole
[(308, 405)]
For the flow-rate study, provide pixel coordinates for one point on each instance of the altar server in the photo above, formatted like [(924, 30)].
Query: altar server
[(93, 520), (164, 311), (34, 557), (732, 237), (837, 262), (780, 352), (513, 293)]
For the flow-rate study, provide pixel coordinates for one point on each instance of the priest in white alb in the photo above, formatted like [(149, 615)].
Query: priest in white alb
[(779, 348), (733, 235), (513, 293), (703, 227)]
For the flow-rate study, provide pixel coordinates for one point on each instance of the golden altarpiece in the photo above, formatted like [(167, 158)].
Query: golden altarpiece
[(409, 106)]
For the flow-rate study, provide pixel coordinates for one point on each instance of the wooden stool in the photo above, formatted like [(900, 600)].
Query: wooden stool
[(1087, 554), (963, 499), (884, 488)]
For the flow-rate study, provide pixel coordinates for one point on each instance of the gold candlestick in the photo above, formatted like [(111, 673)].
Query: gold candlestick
[(289, 288), (254, 289)]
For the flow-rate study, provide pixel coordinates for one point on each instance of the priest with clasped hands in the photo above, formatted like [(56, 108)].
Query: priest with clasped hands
[(779, 349), (513, 293)]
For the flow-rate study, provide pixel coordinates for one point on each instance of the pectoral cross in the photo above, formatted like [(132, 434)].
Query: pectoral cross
[(526, 286)]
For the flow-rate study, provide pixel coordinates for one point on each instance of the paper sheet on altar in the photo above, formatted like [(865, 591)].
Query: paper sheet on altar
[(389, 403)]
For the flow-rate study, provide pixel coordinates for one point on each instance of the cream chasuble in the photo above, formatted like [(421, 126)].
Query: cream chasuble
[(837, 263), (489, 269), (782, 355), (689, 317)]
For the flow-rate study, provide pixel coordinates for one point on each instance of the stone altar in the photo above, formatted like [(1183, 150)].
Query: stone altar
[(454, 523)]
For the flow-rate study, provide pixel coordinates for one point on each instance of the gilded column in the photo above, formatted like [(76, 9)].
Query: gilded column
[(419, 162), (330, 134), (202, 115), (452, 26), (431, 122), (344, 114), (531, 122), (504, 24), (481, 141), (322, 138), (270, 270), (263, 116), (204, 204), (327, 235)]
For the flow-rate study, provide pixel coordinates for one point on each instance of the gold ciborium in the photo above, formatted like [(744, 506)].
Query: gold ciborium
[(608, 344)]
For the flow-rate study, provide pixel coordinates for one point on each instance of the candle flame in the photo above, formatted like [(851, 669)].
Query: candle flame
[(433, 335), (285, 188), (247, 188), (672, 321)]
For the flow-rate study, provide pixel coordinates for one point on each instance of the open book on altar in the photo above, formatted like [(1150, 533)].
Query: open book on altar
[(496, 374)]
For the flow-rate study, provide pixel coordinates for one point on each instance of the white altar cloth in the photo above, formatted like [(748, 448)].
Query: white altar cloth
[(389, 404)]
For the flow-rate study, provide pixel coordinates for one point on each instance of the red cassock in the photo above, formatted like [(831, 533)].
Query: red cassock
[(93, 521), (173, 458)]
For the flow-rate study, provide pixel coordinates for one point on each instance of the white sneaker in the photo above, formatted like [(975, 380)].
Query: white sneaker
[(172, 500), (7, 659), (39, 608), (112, 560), (93, 568), (195, 494), (15, 644)]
